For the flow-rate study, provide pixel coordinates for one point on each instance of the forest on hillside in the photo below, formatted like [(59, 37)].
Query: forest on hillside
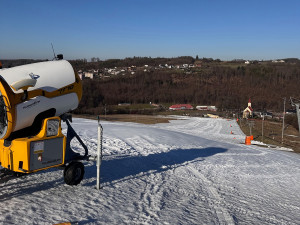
[(227, 86)]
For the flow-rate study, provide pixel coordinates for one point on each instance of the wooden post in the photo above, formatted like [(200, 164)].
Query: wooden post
[(298, 114), (284, 99), (99, 152), (297, 105), (262, 128)]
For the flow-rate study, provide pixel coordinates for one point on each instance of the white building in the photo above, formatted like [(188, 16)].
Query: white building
[(89, 75), (248, 111)]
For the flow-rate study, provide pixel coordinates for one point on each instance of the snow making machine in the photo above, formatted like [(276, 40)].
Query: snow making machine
[(34, 99)]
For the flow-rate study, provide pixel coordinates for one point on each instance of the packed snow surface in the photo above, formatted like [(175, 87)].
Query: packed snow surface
[(188, 171)]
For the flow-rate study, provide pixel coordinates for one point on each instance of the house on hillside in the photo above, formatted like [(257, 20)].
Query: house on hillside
[(248, 112), (202, 107), (206, 108), (89, 75), (181, 107), (278, 61), (198, 63), (212, 108)]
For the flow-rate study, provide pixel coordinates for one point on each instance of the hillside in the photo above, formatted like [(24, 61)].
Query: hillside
[(226, 85), (188, 171)]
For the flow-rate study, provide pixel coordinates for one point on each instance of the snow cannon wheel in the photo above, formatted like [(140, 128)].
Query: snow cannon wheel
[(73, 173)]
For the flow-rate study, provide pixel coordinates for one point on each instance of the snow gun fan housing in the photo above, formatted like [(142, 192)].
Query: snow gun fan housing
[(31, 93), (33, 100)]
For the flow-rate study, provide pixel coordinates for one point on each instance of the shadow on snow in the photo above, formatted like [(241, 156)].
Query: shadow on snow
[(128, 167), (115, 170)]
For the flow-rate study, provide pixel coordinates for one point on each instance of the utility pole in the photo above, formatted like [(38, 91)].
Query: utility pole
[(99, 152), (251, 124), (262, 128), (298, 114), (297, 105), (284, 99)]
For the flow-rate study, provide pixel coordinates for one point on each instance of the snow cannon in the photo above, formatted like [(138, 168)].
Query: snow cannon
[(34, 98), (31, 93)]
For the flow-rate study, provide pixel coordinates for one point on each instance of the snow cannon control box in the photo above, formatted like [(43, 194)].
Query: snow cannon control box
[(31, 154)]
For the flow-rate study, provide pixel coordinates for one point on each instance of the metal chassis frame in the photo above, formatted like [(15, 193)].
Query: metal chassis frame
[(71, 133)]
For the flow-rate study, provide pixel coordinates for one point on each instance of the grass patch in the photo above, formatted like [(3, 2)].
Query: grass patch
[(135, 118), (272, 133)]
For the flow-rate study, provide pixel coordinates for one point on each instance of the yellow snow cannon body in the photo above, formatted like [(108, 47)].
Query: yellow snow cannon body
[(34, 98)]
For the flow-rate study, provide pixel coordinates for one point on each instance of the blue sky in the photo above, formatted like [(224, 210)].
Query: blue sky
[(226, 30)]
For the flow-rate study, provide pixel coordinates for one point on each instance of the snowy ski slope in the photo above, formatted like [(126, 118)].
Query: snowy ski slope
[(189, 171)]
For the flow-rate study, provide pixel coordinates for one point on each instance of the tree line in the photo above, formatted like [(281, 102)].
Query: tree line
[(227, 87), (96, 63)]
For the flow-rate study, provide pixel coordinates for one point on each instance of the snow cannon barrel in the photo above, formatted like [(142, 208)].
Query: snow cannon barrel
[(33, 92)]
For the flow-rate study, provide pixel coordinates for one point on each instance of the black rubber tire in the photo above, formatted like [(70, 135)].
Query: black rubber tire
[(73, 173)]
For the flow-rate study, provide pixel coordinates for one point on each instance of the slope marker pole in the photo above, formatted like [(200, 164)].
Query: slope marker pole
[(99, 152)]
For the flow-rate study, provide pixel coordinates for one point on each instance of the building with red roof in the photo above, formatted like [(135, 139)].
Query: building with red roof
[(181, 107)]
